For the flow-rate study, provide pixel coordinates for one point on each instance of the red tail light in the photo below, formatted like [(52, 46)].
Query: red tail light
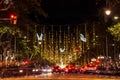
[(76, 68), (65, 68), (59, 68), (95, 68), (52, 67), (85, 67), (69, 68)]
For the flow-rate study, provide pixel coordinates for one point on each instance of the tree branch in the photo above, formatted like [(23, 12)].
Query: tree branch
[(5, 9)]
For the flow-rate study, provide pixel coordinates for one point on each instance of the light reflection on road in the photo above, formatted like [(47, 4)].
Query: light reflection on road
[(62, 76)]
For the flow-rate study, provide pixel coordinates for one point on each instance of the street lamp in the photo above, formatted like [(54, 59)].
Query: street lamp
[(39, 42), (107, 12), (114, 51), (116, 17)]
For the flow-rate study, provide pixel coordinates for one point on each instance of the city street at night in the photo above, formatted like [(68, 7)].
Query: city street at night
[(59, 39)]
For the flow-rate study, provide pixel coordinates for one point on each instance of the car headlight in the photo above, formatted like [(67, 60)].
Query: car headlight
[(36, 70), (49, 70), (20, 71), (44, 70), (33, 70)]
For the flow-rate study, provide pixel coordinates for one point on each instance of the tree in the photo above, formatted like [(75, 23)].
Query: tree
[(6, 36), (28, 15), (115, 31), (27, 11)]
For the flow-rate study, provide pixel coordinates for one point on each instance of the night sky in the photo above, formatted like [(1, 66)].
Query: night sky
[(69, 11)]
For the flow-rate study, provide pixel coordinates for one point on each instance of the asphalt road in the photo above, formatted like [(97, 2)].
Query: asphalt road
[(57, 76)]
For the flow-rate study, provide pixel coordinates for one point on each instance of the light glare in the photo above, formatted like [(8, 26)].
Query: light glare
[(108, 12)]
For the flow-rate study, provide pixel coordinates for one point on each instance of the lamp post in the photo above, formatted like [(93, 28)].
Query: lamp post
[(107, 14), (106, 41), (39, 43), (40, 38), (114, 52)]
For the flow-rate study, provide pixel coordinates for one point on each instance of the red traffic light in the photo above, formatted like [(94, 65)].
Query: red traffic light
[(13, 19), (12, 16)]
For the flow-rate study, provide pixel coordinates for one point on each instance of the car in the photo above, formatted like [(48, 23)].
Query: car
[(106, 71), (57, 69), (100, 70), (89, 68), (31, 69), (46, 69), (12, 71), (71, 69)]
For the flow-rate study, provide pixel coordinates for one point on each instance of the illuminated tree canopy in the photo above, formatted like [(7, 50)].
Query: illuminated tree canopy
[(115, 31)]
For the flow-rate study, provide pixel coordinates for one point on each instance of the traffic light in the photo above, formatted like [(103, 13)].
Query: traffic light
[(13, 19), (11, 16)]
